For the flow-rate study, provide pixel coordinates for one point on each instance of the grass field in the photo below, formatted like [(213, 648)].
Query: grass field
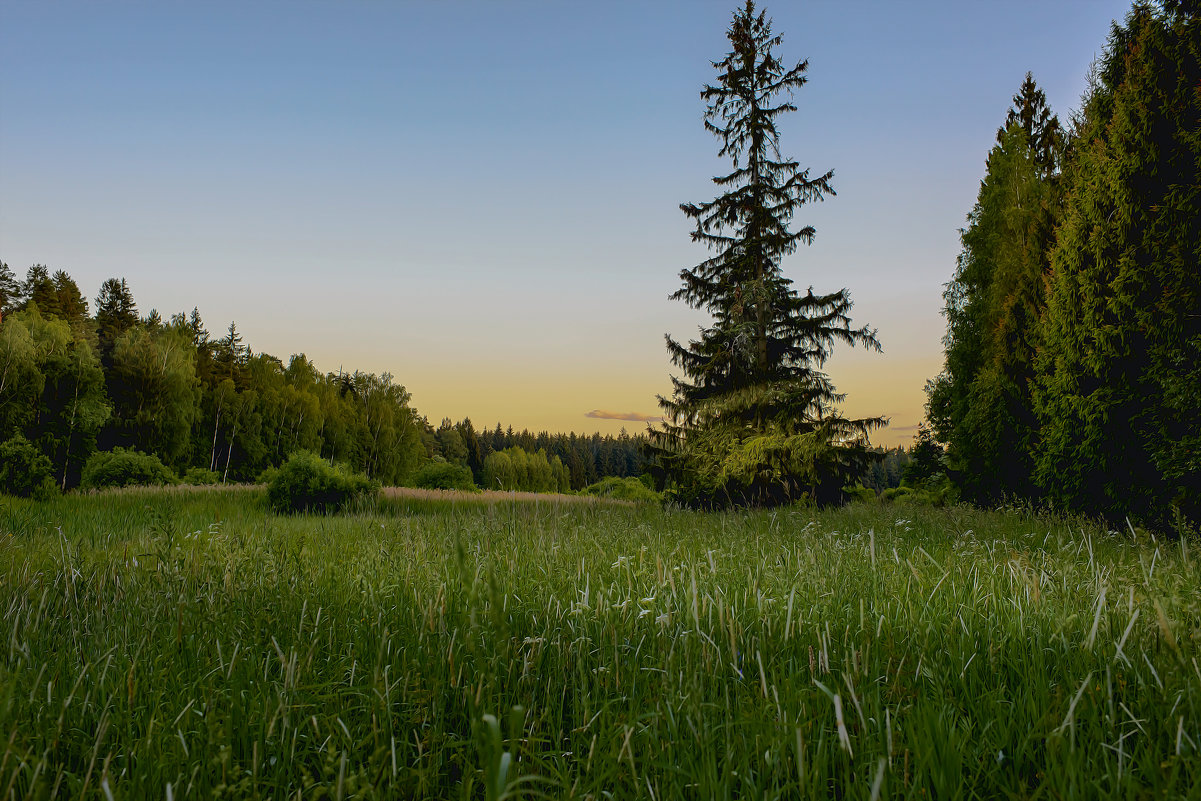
[(189, 644)]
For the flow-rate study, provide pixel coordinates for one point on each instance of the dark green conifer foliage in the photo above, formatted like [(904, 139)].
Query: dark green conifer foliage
[(39, 288), (980, 405), (10, 290), (475, 451), (116, 313), (195, 325), (1120, 370), (925, 459), (1032, 114), (753, 420), (229, 354), (72, 305)]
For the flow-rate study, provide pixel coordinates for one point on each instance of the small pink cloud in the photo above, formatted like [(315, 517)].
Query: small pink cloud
[(601, 414)]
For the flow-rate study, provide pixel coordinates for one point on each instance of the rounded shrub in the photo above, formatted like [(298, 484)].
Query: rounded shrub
[(199, 477), (861, 494), (440, 474), (308, 483), (622, 489), (124, 468), (25, 471)]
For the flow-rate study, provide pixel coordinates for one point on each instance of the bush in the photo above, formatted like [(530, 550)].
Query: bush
[(25, 471), (940, 493), (124, 468), (621, 489), (198, 476), (308, 483), (440, 474), (267, 476), (861, 494)]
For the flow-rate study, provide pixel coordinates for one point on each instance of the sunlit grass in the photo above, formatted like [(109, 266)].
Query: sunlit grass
[(178, 644)]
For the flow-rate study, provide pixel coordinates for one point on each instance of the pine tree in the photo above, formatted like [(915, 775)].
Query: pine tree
[(753, 419)]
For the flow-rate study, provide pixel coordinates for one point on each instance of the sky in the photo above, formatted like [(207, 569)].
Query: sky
[(482, 198)]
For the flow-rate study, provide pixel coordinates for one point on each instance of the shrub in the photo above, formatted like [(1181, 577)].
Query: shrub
[(267, 476), (940, 493), (26, 471), (198, 476), (440, 474), (308, 483), (861, 494), (124, 468), (621, 489)]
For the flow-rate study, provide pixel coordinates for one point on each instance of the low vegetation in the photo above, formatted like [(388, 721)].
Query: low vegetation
[(125, 468), (308, 483), (188, 643), (623, 489), (441, 474)]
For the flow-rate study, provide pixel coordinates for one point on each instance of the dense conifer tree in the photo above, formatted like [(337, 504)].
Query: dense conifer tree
[(229, 354), (753, 419), (116, 313), (475, 450), (1120, 370), (980, 405), (10, 290), (1031, 113), (39, 289), (72, 305)]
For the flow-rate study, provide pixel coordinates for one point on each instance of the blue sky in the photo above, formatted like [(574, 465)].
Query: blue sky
[(482, 197)]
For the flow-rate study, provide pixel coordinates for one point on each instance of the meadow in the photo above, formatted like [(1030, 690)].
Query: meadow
[(187, 644)]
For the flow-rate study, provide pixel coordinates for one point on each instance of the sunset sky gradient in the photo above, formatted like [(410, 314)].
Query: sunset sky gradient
[(482, 198)]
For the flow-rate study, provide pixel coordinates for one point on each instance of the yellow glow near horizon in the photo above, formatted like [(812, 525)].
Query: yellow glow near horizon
[(526, 397)]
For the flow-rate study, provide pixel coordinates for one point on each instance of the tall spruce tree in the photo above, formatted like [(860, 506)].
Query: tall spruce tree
[(116, 313), (39, 289), (1032, 114), (980, 405), (753, 420), (1120, 367), (72, 305), (10, 290)]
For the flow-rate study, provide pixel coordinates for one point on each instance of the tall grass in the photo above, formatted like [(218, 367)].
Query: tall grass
[(191, 645)]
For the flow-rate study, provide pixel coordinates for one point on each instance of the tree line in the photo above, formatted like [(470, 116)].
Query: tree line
[(74, 383), (585, 458), (1072, 371)]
